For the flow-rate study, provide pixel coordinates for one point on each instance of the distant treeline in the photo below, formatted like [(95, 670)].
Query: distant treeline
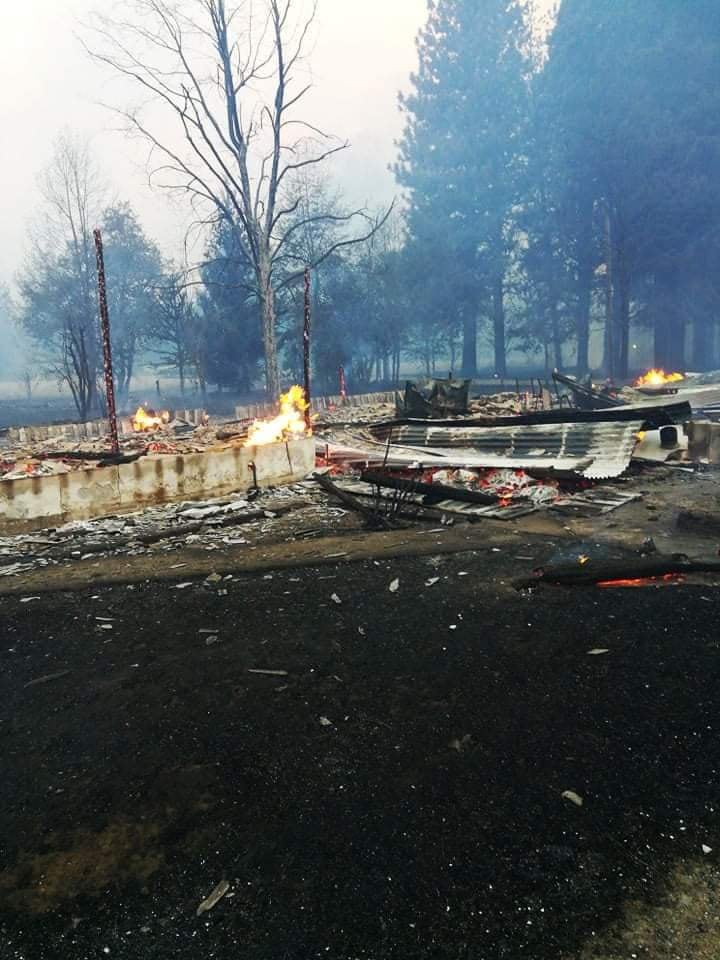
[(555, 182)]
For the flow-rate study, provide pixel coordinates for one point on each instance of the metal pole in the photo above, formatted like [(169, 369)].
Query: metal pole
[(306, 350), (107, 353)]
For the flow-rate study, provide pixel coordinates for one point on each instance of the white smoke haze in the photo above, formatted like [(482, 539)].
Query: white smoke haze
[(363, 53)]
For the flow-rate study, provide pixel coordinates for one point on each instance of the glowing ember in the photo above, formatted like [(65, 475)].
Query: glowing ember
[(657, 378), (582, 559), (288, 425), (643, 581), (146, 421)]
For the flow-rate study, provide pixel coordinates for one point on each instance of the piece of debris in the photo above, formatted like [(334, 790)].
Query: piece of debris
[(596, 651), (324, 722), (335, 598), (270, 673), (706, 849), (183, 586), (28, 599), (432, 581), (201, 513), (215, 897), (394, 586), (572, 797), (47, 678), (211, 639)]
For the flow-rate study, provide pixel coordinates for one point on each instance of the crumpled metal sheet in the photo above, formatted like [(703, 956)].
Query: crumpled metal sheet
[(597, 451)]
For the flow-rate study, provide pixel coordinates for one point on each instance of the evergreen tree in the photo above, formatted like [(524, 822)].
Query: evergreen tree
[(462, 155), (631, 107)]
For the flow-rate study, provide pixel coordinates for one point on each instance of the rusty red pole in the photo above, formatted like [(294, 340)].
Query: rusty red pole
[(306, 350), (107, 352), (343, 386)]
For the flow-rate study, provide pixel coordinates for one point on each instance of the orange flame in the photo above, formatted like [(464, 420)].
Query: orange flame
[(145, 421), (288, 425), (656, 378), (643, 581)]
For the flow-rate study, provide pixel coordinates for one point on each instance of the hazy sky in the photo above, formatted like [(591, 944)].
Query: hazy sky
[(363, 53)]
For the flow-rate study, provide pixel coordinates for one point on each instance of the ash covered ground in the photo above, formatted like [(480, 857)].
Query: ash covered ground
[(435, 765)]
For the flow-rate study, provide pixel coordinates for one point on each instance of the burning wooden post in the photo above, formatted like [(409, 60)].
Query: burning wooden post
[(306, 350), (107, 352), (343, 385)]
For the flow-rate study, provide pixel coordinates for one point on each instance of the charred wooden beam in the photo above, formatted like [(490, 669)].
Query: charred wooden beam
[(103, 459), (107, 350), (371, 516), (591, 572), (586, 396), (437, 491)]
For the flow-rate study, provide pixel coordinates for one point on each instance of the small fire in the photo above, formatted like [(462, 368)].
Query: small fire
[(657, 378), (288, 425), (146, 421), (643, 581)]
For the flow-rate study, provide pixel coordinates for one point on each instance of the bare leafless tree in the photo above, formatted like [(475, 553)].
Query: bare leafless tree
[(232, 76), (58, 306)]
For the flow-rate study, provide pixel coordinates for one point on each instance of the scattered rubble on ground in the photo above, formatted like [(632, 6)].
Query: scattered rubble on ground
[(511, 454)]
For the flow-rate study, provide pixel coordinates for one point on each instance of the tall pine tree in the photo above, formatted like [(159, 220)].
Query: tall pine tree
[(462, 157), (631, 111)]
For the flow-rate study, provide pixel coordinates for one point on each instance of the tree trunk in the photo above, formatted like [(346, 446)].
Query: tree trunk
[(669, 324), (609, 338), (556, 337), (582, 323), (622, 305), (469, 347), (499, 327), (702, 341), (267, 314)]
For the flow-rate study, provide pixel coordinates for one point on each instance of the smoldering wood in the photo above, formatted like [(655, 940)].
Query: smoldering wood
[(574, 573)]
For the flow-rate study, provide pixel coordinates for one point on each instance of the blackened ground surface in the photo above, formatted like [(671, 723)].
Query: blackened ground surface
[(397, 795)]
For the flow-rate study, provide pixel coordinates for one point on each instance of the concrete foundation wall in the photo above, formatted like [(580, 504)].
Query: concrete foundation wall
[(82, 494)]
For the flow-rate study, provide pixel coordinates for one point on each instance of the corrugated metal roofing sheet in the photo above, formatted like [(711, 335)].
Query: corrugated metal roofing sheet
[(594, 450)]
